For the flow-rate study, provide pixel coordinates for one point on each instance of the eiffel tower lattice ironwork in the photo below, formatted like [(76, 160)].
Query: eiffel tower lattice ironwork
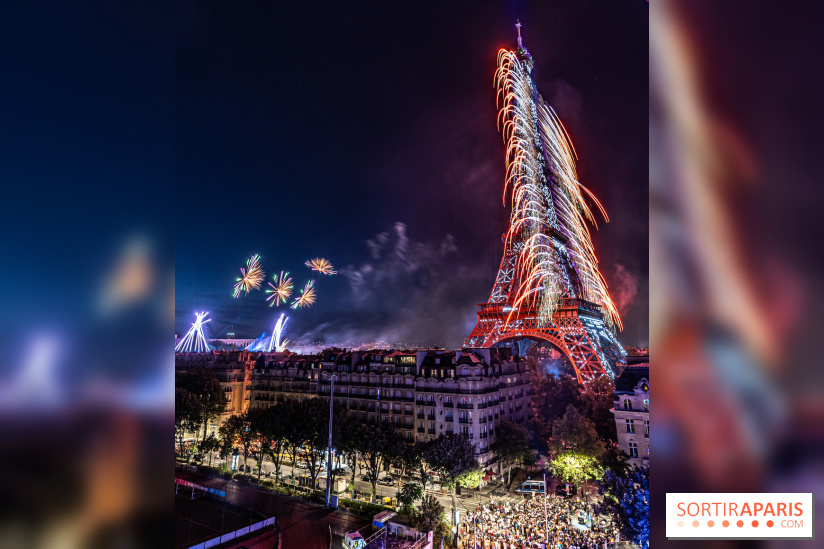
[(548, 286)]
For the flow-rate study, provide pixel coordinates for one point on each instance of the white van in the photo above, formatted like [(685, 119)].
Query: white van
[(531, 487)]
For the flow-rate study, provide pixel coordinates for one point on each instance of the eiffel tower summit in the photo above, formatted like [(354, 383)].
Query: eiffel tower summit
[(548, 287)]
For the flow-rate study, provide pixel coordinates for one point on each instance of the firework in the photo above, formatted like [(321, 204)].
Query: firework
[(194, 340), (549, 211), (281, 289), (321, 265), (275, 343), (252, 276), (307, 296)]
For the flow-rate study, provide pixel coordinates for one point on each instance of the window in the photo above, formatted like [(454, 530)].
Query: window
[(646, 428), (631, 426), (633, 450), (385, 418), (646, 405), (627, 404)]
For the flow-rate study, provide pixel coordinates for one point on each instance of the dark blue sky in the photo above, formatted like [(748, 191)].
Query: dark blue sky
[(311, 129)]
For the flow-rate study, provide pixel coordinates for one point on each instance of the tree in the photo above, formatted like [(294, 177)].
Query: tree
[(430, 517), (343, 425), (237, 431), (378, 443), (209, 445), (615, 459), (596, 402), (271, 426), (409, 494), (511, 444), (293, 431), (576, 468), (313, 424), (627, 500), (551, 396), (451, 455), (206, 390), (576, 433), (418, 456), (405, 458), (471, 478), (187, 414)]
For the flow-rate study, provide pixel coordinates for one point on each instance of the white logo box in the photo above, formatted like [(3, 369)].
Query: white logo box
[(740, 516)]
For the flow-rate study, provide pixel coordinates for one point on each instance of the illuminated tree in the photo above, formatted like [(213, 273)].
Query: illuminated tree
[(470, 479), (627, 500), (576, 468)]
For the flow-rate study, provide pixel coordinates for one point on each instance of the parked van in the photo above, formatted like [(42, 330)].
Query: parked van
[(531, 487)]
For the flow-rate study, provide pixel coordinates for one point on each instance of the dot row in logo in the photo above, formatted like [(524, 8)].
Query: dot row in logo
[(726, 523)]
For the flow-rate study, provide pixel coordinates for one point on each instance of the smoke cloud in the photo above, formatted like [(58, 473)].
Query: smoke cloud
[(624, 288), (405, 292)]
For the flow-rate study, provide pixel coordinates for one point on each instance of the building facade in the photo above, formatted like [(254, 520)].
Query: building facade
[(424, 394), (631, 411), (234, 371)]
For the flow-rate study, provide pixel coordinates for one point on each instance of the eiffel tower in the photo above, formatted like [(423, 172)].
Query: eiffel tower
[(548, 286)]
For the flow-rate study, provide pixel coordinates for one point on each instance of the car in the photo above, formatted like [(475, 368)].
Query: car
[(366, 478), (386, 481), (565, 491), (198, 457), (340, 471)]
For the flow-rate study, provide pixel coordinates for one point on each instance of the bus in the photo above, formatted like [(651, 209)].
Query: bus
[(531, 487)]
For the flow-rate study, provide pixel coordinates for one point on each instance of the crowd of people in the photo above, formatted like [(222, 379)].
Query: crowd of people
[(523, 525)]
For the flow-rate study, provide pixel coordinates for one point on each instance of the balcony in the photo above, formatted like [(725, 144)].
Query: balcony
[(465, 406), (465, 420), (430, 403), (483, 435), (408, 412), (431, 417), (449, 419), (421, 430), (431, 431), (448, 404), (646, 435), (420, 415), (482, 420), (482, 406)]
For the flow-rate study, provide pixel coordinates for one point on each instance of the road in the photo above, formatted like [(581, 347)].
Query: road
[(467, 501), (301, 525)]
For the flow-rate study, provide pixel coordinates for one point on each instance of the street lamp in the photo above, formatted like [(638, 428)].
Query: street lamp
[(329, 449)]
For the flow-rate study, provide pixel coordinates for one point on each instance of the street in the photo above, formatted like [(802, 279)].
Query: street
[(468, 501), (301, 524)]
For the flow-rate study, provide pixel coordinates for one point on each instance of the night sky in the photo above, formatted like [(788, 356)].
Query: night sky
[(365, 133)]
